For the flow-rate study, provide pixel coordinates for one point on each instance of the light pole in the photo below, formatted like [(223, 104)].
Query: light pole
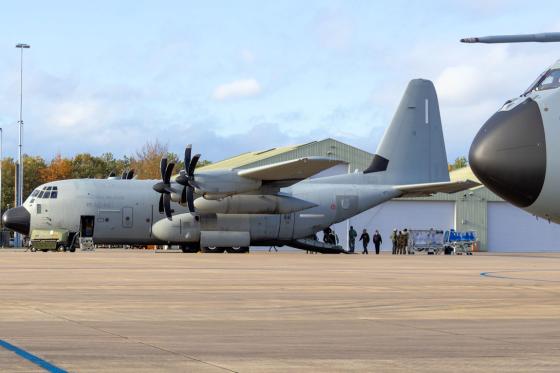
[(19, 181), (1, 164)]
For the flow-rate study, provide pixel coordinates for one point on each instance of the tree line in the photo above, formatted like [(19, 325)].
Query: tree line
[(145, 163)]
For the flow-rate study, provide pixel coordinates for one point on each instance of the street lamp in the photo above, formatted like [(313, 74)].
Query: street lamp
[(19, 181), (1, 164)]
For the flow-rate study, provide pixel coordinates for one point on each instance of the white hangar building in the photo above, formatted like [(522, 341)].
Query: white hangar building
[(501, 227)]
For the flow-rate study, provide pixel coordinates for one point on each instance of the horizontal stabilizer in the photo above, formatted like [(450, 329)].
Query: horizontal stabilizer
[(297, 169), (427, 189)]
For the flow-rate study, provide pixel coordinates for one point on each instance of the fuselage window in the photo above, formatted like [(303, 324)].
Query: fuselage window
[(40, 194), (54, 194), (47, 195), (35, 192)]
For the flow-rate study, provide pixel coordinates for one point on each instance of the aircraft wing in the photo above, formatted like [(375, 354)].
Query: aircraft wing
[(290, 172), (427, 189)]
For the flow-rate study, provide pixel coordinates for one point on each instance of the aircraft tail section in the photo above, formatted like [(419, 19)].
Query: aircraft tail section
[(412, 150)]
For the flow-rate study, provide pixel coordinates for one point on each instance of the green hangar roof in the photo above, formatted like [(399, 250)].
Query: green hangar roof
[(356, 158)]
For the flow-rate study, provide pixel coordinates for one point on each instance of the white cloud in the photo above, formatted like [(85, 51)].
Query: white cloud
[(237, 89), (70, 114), (457, 84)]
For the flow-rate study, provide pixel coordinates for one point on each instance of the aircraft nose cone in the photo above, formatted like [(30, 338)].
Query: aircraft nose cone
[(17, 219), (509, 154)]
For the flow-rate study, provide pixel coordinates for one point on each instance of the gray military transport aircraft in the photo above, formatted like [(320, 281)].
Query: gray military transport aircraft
[(516, 153), (270, 205)]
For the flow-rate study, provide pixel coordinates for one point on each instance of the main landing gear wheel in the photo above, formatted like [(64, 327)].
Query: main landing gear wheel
[(237, 249), (214, 250), (190, 249)]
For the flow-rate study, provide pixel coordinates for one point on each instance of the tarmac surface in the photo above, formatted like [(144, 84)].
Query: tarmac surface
[(140, 311)]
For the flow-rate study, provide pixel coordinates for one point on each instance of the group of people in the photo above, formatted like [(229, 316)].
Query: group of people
[(399, 240), (377, 240)]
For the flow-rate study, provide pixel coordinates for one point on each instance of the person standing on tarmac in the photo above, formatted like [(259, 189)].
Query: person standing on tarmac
[(377, 241), (365, 241), (399, 242), (394, 241), (405, 242), (352, 234)]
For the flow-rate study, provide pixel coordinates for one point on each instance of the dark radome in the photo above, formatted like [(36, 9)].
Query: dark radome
[(17, 219), (509, 154)]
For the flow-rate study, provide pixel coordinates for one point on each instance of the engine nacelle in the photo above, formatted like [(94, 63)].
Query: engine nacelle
[(184, 228), (252, 204)]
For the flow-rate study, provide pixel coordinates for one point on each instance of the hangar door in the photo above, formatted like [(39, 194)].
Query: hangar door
[(513, 229), (421, 214)]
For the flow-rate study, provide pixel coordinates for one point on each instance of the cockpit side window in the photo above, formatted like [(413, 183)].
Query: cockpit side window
[(40, 194), (35, 192), (47, 194), (54, 194)]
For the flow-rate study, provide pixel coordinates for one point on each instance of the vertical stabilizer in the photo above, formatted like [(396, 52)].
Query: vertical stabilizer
[(412, 149)]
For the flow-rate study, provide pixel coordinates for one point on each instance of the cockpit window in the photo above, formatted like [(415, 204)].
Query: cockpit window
[(548, 80), (46, 192)]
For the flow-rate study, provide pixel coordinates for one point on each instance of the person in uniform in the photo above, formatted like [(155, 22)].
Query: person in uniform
[(365, 241), (327, 235), (352, 234), (394, 241), (405, 242), (399, 242), (377, 241)]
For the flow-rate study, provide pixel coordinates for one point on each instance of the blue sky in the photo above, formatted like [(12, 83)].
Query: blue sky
[(233, 76)]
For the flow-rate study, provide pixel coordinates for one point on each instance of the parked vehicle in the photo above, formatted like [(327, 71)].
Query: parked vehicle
[(52, 240)]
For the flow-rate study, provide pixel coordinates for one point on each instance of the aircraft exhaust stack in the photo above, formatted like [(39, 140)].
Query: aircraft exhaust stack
[(548, 37)]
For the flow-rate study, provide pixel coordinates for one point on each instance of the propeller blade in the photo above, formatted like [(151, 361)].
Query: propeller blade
[(190, 198), (192, 165), (123, 176), (187, 158), (168, 172), (161, 204), (167, 205), (163, 167), (184, 196), (112, 174), (130, 175)]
